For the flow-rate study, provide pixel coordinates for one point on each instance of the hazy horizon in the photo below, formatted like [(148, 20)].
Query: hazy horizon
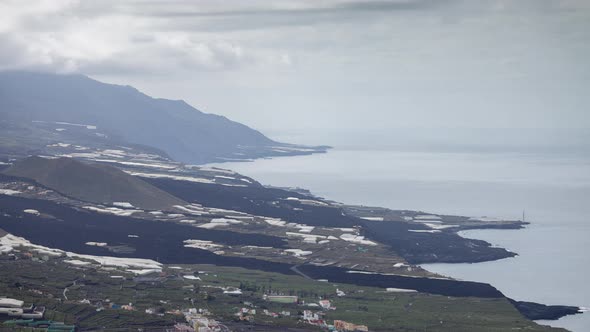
[(308, 66)]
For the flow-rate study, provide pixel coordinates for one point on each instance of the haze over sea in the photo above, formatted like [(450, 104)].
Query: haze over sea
[(491, 172)]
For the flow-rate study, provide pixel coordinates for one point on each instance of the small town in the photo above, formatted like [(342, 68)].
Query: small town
[(197, 320), (16, 313)]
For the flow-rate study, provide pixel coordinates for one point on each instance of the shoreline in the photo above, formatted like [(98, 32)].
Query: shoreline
[(423, 221), (535, 311)]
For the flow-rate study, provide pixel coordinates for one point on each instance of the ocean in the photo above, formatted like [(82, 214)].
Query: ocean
[(551, 185)]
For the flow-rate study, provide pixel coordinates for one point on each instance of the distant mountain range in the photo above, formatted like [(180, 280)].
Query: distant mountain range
[(46, 108)]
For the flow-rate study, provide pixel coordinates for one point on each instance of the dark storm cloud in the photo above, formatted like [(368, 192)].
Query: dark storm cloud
[(181, 14), (346, 8)]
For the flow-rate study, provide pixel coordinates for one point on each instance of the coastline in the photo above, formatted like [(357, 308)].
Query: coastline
[(272, 177), (413, 226)]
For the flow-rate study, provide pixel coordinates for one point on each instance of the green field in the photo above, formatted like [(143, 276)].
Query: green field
[(44, 283)]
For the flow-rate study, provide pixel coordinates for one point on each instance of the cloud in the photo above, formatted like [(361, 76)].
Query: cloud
[(164, 36), (172, 52), (17, 53), (315, 63), (283, 9), (88, 37), (158, 36)]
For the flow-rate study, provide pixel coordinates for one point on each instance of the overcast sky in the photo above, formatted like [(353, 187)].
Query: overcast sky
[(287, 65)]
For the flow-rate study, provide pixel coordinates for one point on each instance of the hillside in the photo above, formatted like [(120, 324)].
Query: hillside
[(237, 224), (63, 104), (92, 182)]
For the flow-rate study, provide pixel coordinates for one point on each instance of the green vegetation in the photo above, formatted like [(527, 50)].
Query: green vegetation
[(362, 305), (378, 309)]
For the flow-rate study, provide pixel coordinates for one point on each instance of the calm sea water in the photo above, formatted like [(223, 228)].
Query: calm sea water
[(554, 188)]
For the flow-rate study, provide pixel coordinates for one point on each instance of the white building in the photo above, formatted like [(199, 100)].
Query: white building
[(10, 303)]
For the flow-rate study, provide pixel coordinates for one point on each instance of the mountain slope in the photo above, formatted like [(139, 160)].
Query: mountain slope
[(125, 114), (92, 182)]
